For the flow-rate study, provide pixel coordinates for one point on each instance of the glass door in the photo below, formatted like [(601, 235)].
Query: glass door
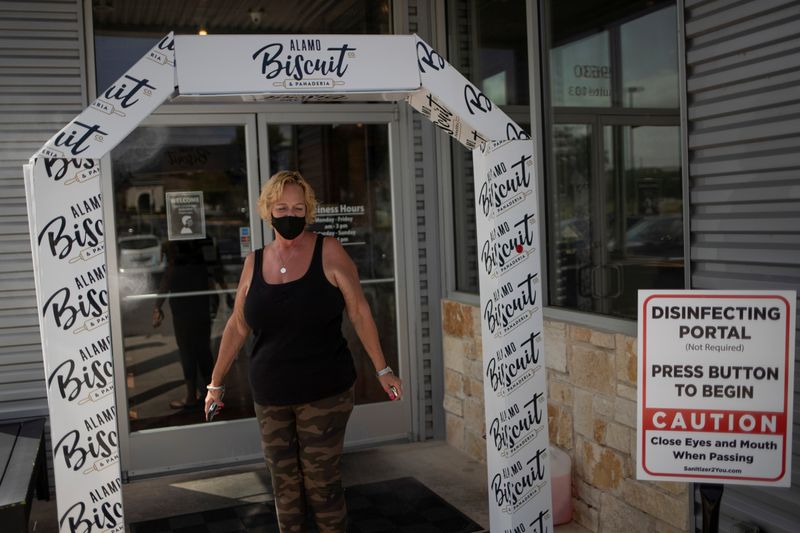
[(182, 200), (615, 210), (350, 167)]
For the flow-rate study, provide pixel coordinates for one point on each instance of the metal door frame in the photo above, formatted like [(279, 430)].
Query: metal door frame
[(162, 450)]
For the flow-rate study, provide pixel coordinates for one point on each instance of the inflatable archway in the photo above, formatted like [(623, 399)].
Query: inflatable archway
[(62, 182)]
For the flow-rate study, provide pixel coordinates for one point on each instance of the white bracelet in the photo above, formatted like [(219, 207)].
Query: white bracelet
[(211, 387), (387, 370)]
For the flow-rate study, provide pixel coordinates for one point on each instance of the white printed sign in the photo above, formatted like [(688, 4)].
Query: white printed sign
[(515, 380), (186, 215), (716, 382), (65, 211), (301, 64)]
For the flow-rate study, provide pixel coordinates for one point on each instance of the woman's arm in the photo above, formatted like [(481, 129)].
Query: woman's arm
[(233, 337), (341, 271)]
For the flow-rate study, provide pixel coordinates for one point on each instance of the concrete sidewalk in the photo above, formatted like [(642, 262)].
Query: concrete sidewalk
[(454, 476)]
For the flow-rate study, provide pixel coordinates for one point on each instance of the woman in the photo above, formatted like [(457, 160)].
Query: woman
[(291, 296)]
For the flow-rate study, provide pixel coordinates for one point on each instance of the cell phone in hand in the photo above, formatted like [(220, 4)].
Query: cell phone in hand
[(212, 411)]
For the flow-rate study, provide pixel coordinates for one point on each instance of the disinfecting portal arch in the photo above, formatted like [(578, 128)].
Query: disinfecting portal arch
[(69, 250)]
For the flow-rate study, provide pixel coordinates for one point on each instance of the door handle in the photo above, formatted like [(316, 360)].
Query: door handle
[(620, 281)]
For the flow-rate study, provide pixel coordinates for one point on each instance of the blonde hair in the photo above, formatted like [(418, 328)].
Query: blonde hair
[(273, 189)]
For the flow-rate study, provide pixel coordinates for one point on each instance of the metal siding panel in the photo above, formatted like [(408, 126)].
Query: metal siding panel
[(744, 153), (40, 91)]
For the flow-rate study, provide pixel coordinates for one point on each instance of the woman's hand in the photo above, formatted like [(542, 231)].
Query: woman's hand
[(387, 382), (214, 396)]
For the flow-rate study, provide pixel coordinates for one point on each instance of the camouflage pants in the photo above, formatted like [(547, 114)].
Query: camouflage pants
[(302, 446)]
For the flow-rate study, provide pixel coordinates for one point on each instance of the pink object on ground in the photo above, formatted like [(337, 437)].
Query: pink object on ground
[(561, 477)]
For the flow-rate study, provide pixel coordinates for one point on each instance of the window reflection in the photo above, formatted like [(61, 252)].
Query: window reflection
[(168, 357), (615, 197)]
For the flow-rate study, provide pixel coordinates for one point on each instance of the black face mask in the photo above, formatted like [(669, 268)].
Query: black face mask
[(289, 227)]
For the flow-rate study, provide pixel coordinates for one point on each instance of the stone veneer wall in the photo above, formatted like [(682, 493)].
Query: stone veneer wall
[(591, 379)]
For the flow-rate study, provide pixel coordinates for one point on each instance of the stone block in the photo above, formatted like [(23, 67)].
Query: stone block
[(626, 359), (556, 328), (625, 412), (616, 517), (661, 527), (670, 509), (474, 369), (475, 445), (474, 417), (473, 388), (602, 339), (559, 422), (603, 406), (585, 515), (599, 430), (598, 466), (454, 353), (672, 487), (454, 405), (555, 354), (593, 369), (618, 437), (579, 333), (626, 391), (455, 431), (457, 319), (559, 391), (587, 493), (453, 383), (582, 410)]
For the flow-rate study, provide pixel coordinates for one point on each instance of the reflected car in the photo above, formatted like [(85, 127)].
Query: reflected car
[(656, 236), (141, 254)]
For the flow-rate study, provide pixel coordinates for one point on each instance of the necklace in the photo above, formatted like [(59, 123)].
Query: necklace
[(291, 253)]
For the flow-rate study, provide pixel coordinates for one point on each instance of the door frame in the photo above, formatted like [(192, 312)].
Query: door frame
[(177, 448), (373, 423)]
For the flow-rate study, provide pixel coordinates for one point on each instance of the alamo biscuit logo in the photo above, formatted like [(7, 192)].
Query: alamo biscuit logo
[(511, 306), (85, 309), (506, 247), (517, 426), (91, 382), (105, 514), (514, 365), (91, 448), (517, 484), (81, 239), (502, 191), (305, 65), (125, 93), (70, 170)]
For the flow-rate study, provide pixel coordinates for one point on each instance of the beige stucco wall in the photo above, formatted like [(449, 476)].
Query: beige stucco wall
[(591, 381)]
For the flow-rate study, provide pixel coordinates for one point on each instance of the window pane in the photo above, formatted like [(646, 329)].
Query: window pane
[(569, 217), (126, 29), (580, 72), (644, 213), (650, 60), (168, 364)]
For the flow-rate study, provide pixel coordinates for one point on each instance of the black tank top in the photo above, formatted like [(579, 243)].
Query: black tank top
[(299, 354)]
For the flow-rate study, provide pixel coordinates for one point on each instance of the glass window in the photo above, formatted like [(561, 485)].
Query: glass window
[(188, 266), (649, 49), (581, 72), (124, 30), (488, 45), (614, 189)]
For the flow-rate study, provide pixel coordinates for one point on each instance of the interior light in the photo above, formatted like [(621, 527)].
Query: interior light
[(202, 31)]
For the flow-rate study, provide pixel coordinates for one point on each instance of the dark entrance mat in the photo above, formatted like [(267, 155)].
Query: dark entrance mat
[(397, 506)]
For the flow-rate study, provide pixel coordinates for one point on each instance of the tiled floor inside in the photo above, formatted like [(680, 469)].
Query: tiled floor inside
[(458, 479)]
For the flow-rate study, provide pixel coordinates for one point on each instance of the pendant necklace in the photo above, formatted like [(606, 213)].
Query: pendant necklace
[(277, 251)]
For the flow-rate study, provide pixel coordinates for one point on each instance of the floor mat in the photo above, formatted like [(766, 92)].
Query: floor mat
[(397, 506)]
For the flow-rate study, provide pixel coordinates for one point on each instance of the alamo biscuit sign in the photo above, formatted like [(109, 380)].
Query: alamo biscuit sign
[(63, 184)]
